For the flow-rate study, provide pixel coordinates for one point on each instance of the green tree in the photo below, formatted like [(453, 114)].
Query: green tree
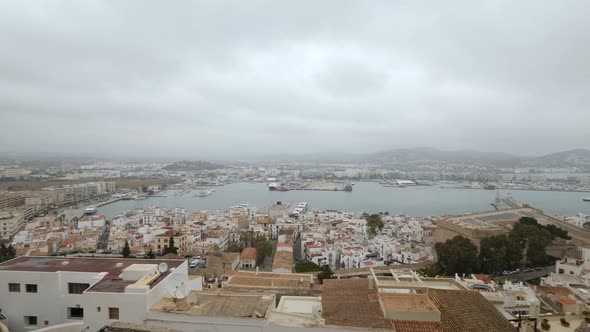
[(555, 231), (6, 253), (457, 255), (234, 247), (325, 274), (307, 266), (499, 253), (536, 238), (374, 223), (248, 238), (430, 270), (126, 250), (170, 248), (263, 250)]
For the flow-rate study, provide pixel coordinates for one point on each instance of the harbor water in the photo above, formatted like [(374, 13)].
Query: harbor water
[(366, 197)]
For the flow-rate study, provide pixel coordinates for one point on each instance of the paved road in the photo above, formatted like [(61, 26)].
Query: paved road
[(523, 276)]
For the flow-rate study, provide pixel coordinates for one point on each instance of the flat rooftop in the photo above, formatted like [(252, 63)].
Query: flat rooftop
[(225, 304), (270, 281), (113, 267), (436, 283)]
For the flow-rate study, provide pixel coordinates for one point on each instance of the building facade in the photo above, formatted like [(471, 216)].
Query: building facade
[(40, 292)]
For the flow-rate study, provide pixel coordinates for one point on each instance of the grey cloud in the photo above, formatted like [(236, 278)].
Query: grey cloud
[(240, 79)]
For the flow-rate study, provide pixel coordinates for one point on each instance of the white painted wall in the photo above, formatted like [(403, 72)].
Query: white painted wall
[(51, 301), (49, 304)]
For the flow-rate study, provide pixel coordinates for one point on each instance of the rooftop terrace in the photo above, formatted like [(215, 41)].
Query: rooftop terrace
[(113, 267)]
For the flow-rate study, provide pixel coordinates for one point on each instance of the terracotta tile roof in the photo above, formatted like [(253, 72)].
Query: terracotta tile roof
[(416, 326), (350, 302), (248, 253), (567, 300), (483, 278), (466, 311), (283, 260)]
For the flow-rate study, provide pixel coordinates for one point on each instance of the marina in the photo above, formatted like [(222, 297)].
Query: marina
[(369, 197)]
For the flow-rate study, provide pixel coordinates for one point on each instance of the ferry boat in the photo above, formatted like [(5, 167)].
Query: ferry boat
[(587, 199), (303, 206), (273, 185)]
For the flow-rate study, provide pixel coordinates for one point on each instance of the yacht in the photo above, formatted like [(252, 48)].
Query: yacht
[(90, 210), (204, 193)]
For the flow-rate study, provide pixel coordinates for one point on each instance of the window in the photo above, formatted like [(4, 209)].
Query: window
[(14, 288), (75, 313), (113, 313), (31, 288), (30, 320), (76, 288)]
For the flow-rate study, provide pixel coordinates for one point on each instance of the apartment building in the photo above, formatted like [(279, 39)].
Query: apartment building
[(40, 292), (107, 186), (180, 241), (10, 224), (11, 200), (77, 192)]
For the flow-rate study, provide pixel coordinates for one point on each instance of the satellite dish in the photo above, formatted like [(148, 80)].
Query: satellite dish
[(163, 267), (178, 286)]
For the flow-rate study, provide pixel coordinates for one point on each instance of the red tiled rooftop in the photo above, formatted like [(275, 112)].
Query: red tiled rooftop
[(416, 326), (567, 300), (483, 278), (350, 302), (248, 253)]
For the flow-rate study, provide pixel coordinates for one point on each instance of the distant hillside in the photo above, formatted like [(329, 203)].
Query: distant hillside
[(576, 157), (186, 165), (571, 158), (429, 154)]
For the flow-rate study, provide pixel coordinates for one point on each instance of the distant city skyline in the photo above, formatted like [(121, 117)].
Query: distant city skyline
[(227, 81)]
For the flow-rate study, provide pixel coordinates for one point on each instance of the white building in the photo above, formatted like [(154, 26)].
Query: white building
[(91, 221), (10, 224), (38, 292)]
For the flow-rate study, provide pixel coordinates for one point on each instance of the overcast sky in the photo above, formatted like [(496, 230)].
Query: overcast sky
[(229, 79)]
